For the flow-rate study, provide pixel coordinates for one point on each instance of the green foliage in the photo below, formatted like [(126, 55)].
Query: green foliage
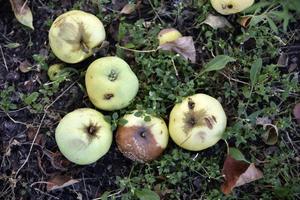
[(5, 102)]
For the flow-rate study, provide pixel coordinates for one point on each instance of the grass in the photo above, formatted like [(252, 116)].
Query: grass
[(252, 86)]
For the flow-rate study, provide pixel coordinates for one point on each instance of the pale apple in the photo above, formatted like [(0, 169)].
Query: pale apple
[(227, 7), (74, 34), (83, 136), (110, 83), (141, 140), (54, 71), (197, 123), (168, 35)]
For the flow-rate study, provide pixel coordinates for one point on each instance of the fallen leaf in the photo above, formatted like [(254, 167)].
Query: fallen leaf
[(270, 137), (296, 112), (263, 121), (60, 181), (237, 173), (237, 154), (12, 45), (245, 21), (216, 22), (183, 46), (25, 67), (128, 9), (22, 12)]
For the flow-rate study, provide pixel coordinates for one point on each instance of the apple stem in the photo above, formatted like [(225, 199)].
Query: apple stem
[(84, 47)]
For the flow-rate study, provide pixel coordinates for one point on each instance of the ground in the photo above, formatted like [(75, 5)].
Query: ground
[(31, 105)]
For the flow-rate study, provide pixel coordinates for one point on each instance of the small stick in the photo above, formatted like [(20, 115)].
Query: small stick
[(4, 61)]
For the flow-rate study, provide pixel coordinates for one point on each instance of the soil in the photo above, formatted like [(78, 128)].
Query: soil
[(17, 130)]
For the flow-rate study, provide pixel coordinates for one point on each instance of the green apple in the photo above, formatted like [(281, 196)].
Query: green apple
[(227, 7), (197, 123), (74, 34), (142, 140), (54, 71), (110, 83), (83, 136), (168, 35)]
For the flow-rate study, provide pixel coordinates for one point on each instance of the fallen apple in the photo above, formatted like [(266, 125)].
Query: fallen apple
[(168, 35), (54, 71), (110, 83), (142, 140), (197, 123), (74, 34), (227, 7), (83, 136)]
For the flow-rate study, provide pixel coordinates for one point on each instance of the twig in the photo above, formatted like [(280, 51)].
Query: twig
[(15, 121), (4, 61), (176, 72), (157, 15)]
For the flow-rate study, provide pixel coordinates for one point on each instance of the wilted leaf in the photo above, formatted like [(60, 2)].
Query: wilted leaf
[(270, 137), (184, 46), (22, 12), (60, 181), (255, 70), (296, 112), (25, 66), (245, 21), (146, 194), (217, 63), (237, 173), (12, 45), (216, 22), (128, 8)]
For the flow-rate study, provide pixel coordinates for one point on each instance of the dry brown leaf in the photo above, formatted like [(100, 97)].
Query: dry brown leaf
[(22, 12), (216, 22), (270, 137), (60, 181), (245, 21), (128, 9), (25, 66), (183, 46), (237, 173)]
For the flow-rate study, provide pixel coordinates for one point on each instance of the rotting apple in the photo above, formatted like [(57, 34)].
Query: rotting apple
[(141, 140), (168, 35), (227, 7), (110, 83), (197, 123), (83, 136), (74, 34)]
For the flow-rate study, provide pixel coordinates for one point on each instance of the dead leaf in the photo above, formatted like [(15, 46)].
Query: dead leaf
[(25, 67), (296, 112), (60, 181), (237, 173), (22, 12), (183, 46), (128, 9), (270, 137), (216, 22), (245, 21)]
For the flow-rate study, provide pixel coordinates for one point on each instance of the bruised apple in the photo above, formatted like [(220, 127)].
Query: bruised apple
[(110, 83), (83, 136), (74, 34), (142, 140), (227, 7), (197, 123)]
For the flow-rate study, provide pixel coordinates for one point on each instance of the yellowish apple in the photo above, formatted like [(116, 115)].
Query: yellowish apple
[(142, 140), (54, 71), (197, 123), (83, 136), (74, 34), (227, 7), (168, 35), (110, 83)]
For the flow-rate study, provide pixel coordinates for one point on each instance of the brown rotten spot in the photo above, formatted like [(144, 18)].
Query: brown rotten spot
[(138, 143)]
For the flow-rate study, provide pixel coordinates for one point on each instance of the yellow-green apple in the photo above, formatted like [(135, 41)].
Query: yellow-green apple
[(227, 7), (74, 34), (54, 71), (142, 140), (168, 35), (110, 83), (197, 123), (83, 136)]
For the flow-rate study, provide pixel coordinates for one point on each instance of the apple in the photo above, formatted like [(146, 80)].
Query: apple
[(110, 83), (74, 34), (197, 123), (168, 35), (227, 7), (141, 140), (54, 71), (83, 136)]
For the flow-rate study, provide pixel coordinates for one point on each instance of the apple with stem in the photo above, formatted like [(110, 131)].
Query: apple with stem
[(74, 34), (83, 136), (110, 83), (197, 123), (142, 140), (227, 7)]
